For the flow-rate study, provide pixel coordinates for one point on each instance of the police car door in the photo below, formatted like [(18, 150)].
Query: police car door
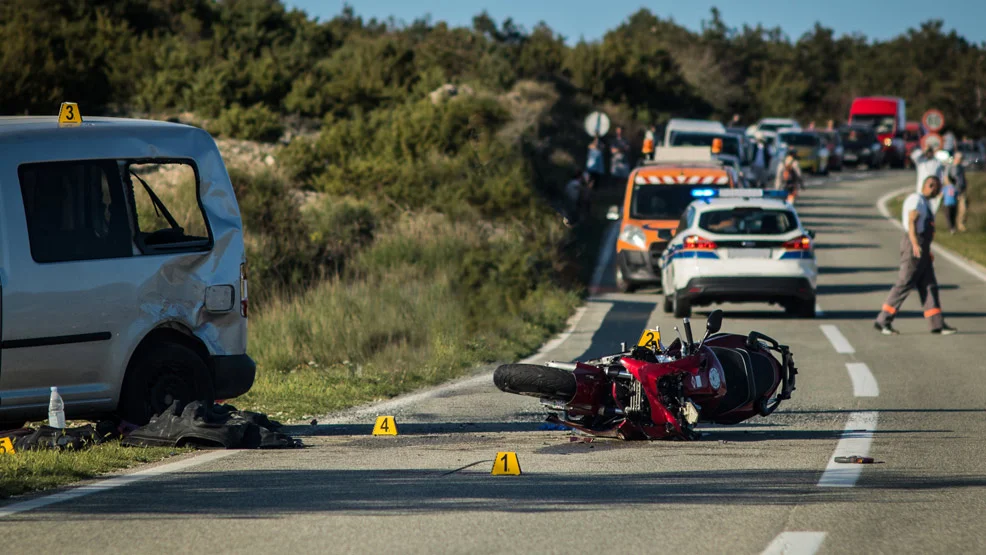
[(66, 296)]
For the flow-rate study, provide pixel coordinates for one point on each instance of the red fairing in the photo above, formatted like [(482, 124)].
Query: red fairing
[(591, 382)]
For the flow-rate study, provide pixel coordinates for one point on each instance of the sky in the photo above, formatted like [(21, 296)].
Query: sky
[(590, 19)]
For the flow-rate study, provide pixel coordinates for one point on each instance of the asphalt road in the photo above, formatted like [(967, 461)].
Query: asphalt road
[(740, 489)]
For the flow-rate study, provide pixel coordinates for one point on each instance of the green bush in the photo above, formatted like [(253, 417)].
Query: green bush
[(255, 123)]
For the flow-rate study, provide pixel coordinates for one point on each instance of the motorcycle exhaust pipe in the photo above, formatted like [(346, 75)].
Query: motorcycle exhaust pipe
[(561, 365)]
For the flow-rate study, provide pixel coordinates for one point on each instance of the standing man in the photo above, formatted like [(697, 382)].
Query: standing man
[(956, 175), (927, 165), (760, 161), (619, 154), (789, 177), (649, 136), (595, 167), (917, 270)]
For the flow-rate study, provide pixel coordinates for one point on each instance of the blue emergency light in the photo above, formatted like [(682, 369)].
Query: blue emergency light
[(739, 193), (703, 193)]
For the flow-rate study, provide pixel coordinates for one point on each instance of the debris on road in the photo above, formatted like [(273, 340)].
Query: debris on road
[(214, 426), (854, 460)]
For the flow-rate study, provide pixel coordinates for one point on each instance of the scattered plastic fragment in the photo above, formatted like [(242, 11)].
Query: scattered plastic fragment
[(550, 426), (854, 460)]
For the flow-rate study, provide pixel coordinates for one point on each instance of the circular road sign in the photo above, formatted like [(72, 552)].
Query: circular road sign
[(597, 123), (933, 120), (931, 139)]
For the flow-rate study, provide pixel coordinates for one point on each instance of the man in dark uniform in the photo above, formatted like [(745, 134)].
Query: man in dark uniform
[(917, 270)]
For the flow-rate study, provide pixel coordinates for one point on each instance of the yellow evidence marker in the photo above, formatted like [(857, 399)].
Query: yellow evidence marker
[(650, 338), (6, 446), (506, 463), (69, 114), (385, 426)]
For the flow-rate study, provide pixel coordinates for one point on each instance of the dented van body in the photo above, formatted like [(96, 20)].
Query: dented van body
[(122, 314)]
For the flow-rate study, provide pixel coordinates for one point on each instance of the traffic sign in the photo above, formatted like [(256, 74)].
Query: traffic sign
[(931, 139), (597, 124), (933, 120)]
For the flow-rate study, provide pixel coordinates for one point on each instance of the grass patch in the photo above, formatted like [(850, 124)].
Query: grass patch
[(29, 471), (972, 243)]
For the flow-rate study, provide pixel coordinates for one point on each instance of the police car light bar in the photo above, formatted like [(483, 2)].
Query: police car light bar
[(739, 193)]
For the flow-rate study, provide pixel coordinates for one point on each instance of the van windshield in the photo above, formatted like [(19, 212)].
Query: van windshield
[(663, 202), (730, 143), (880, 124)]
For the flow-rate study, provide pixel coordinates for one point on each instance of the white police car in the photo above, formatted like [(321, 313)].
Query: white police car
[(742, 245)]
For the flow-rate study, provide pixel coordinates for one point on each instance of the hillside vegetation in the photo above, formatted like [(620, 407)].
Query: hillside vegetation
[(400, 185)]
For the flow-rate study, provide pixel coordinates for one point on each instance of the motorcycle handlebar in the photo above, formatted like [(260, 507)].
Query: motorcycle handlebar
[(688, 332)]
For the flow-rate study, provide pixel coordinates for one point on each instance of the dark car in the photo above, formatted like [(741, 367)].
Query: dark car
[(860, 146), (973, 155)]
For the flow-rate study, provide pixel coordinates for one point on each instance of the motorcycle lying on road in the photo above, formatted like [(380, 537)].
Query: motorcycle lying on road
[(657, 392)]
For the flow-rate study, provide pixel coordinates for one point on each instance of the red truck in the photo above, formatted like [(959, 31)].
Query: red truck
[(886, 115)]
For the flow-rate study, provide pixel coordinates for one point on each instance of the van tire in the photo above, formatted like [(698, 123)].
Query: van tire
[(160, 374), (622, 284)]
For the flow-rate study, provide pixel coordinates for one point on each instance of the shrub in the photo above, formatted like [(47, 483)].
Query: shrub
[(256, 123)]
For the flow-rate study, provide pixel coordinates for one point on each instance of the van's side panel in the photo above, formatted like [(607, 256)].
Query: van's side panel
[(127, 297)]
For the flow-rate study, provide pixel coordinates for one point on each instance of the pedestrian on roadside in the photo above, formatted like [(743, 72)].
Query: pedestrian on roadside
[(576, 198), (650, 135), (619, 156), (760, 161), (595, 167), (956, 176), (948, 200), (917, 270), (789, 177), (927, 164)]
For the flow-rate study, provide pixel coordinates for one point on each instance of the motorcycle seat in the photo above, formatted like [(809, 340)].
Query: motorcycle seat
[(748, 376)]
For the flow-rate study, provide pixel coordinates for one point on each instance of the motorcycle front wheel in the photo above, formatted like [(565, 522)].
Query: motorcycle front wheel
[(535, 381)]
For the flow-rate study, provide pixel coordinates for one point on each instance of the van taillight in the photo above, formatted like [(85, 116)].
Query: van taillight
[(243, 290)]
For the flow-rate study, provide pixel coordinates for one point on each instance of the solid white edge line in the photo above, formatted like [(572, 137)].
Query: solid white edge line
[(604, 257), (969, 266), (110, 483), (838, 341), (863, 382), (795, 543), (855, 440)]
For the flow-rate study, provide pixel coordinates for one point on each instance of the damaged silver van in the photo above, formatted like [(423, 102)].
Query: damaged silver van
[(122, 268)]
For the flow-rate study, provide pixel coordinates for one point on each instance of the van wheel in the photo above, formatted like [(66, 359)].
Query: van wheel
[(160, 375), (622, 284)]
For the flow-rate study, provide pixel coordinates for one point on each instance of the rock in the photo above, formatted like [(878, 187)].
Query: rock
[(269, 160)]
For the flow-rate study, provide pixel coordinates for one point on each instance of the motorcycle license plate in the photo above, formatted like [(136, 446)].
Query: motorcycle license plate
[(749, 253), (648, 338)]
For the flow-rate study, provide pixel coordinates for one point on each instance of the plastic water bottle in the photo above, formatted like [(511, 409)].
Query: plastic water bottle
[(56, 410)]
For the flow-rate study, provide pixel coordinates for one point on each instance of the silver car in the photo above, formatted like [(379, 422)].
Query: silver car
[(122, 269)]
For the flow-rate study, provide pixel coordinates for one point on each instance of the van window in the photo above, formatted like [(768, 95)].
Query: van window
[(75, 211), (167, 211)]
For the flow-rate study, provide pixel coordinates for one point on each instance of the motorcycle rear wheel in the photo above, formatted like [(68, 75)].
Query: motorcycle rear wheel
[(535, 381)]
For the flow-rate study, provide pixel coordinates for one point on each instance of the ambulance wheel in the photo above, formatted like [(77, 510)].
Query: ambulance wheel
[(681, 307), (622, 284), (668, 304)]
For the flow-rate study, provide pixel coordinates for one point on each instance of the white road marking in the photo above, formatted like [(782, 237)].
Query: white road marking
[(970, 267), (818, 310), (795, 543), (604, 257), (837, 340), (111, 483), (863, 382), (856, 440)]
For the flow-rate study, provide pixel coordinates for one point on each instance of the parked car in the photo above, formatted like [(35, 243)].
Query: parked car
[(110, 293), (913, 133), (808, 146), (692, 126), (860, 146), (973, 155), (770, 126)]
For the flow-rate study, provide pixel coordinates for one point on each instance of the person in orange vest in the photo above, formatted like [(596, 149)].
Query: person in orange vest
[(648, 148)]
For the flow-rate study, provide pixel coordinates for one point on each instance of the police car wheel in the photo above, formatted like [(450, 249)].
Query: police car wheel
[(160, 375), (668, 304), (682, 308)]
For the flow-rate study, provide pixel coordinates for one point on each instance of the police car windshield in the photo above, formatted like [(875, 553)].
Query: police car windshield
[(730, 143), (748, 221), (662, 202)]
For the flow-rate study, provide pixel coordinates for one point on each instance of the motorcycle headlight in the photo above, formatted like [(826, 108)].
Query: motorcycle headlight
[(634, 235)]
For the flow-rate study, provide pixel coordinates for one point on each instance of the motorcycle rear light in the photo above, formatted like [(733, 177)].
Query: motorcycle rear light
[(696, 242), (802, 243)]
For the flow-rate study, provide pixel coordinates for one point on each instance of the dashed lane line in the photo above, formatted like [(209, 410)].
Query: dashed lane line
[(856, 440), (863, 382), (837, 340), (795, 543)]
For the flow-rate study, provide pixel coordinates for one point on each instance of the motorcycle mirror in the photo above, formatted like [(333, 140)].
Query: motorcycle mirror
[(714, 323)]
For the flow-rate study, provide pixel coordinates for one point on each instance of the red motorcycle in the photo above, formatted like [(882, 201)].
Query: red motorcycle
[(657, 392)]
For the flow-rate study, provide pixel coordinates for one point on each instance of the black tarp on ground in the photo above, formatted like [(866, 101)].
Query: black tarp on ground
[(214, 426)]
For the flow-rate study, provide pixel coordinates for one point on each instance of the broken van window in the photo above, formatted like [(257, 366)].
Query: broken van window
[(168, 214)]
